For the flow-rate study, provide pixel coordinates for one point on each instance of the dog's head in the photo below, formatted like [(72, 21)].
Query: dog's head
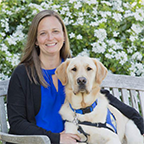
[(81, 74)]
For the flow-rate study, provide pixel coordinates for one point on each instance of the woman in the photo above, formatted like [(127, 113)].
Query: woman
[(35, 95)]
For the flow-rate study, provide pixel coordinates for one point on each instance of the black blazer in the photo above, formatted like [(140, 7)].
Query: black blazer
[(23, 104)]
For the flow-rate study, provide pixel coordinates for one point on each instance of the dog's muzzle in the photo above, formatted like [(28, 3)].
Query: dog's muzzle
[(81, 81)]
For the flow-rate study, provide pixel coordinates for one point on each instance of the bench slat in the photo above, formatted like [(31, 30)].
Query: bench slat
[(141, 97), (134, 99), (116, 93), (3, 116), (25, 139), (123, 81), (125, 96)]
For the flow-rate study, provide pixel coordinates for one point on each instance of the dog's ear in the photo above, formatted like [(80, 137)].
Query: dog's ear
[(61, 72), (101, 71)]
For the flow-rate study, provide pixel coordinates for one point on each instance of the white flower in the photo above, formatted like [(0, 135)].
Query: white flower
[(117, 5), (115, 34), (85, 52), (72, 1), (8, 53), (133, 4), (79, 21), (15, 59), (115, 45), (69, 14), (117, 17), (139, 15), (5, 24), (77, 5), (133, 38), (46, 5), (107, 3), (2, 34), (137, 56), (3, 76), (11, 40), (95, 11), (72, 35), (17, 9), (121, 56), (66, 21), (100, 33), (98, 47), (105, 14), (34, 12), (22, 20), (109, 56), (128, 13), (79, 36), (136, 28), (4, 47), (130, 49), (91, 2), (9, 12), (55, 7), (126, 5), (137, 68)]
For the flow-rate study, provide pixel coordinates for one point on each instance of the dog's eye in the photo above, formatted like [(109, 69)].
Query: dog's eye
[(74, 69), (88, 68)]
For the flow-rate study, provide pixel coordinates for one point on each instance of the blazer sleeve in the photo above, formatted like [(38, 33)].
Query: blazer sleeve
[(128, 111), (17, 108)]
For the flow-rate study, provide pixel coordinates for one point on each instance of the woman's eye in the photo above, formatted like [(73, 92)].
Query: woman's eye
[(55, 31), (42, 33), (74, 69), (89, 68)]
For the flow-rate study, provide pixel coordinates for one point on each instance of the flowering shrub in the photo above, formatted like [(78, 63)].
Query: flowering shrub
[(112, 31)]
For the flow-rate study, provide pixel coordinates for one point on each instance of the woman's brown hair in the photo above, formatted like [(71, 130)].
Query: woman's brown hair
[(31, 52)]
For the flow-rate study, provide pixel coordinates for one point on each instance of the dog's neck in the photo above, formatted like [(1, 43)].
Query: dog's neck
[(82, 100)]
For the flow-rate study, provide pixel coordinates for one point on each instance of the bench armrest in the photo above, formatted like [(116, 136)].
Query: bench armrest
[(24, 139)]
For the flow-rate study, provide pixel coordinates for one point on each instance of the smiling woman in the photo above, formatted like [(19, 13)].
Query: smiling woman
[(35, 95)]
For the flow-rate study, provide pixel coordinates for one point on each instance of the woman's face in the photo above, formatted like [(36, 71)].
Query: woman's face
[(50, 36)]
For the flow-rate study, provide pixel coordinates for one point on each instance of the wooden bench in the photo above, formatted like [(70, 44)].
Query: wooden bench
[(128, 89)]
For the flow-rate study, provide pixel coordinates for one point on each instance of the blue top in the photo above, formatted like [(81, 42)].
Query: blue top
[(51, 100)]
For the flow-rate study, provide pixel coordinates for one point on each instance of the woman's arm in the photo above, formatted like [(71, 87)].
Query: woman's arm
[(128, 111)]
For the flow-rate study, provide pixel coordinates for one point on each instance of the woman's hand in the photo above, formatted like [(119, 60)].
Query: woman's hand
[(68, 138)]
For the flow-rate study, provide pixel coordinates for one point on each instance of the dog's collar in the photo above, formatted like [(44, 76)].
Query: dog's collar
[(85, 110)]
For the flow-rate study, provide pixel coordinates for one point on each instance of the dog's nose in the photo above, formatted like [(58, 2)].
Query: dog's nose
[(81, 80)]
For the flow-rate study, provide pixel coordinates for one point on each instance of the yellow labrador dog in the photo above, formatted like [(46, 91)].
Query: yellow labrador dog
[(86, 111)]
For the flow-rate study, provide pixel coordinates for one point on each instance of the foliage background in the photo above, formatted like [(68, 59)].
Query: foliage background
[(110, 30)]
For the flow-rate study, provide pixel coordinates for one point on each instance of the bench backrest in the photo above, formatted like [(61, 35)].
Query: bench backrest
[(128, 89), (3, 92)]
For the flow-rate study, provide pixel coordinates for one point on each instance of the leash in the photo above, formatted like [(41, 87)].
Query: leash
[(84, 133)]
